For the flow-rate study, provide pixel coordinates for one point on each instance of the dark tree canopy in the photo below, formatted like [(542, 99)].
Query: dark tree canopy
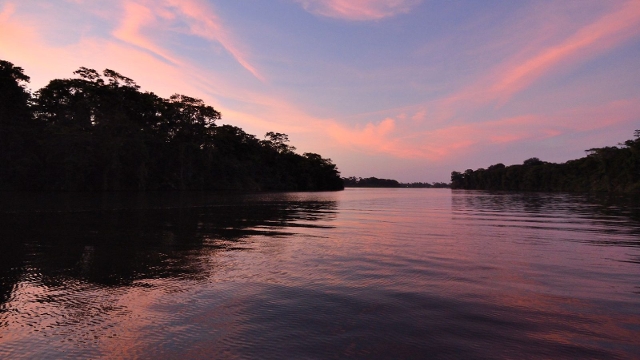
[(607, 169), (14, 96), (278, 142), (370, 182), (532, 162), (99, 132), (16, 126), (388, 183)]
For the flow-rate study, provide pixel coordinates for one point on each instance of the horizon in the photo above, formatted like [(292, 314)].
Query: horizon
[(409, 90)]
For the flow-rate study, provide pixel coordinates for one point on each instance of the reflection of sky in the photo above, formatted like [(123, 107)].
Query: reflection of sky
[(354, 273), (409, 89)]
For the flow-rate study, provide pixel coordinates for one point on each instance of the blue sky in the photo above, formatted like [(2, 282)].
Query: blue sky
[(404, 89)]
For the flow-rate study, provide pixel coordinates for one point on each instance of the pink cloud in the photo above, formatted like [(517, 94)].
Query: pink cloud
[(370, 138), (7, 11), (200, 19), (460, 140), (452, 137), (14, 37), (520, 71), (421, 131), (25, 46), (400, 138), (205, 23), (136, 17), (358, 9), (419, 116), (607, 32), (446, 143)]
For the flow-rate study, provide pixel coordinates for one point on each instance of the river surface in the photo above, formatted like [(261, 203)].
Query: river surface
[(362, 273)]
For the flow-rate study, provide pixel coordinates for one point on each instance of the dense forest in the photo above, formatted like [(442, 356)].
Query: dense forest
[(369, 182), (607, 169), (100, 132), (388, 183), (435, 185)]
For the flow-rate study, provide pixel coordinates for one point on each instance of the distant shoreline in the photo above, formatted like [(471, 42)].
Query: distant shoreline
[(373, 182), (395, 187), (611, 169)]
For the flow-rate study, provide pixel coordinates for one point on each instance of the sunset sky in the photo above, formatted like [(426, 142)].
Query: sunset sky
[(403, 89)]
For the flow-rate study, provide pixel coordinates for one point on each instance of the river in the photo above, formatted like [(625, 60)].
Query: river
[(361, 273)]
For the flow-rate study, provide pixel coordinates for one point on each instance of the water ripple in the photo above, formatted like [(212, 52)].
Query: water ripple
[(364, 273)]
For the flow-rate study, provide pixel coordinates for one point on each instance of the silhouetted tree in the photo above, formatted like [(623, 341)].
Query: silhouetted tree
[(607, 169), (278, 142), (532, 162), (99, 132), (18, 151)]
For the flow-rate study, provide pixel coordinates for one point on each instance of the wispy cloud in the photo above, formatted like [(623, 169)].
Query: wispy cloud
[(198, 16), (455, 126), (134, 47), (403, 141), (136, 17), (400, 138), (204, 22), (6, 11), (371, 137), (518, 72), (449, 113), (607, 32), (358, 10)]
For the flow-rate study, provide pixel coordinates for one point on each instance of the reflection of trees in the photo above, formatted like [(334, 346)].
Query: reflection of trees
[(504, 202), (155, 239), (603, 209), (11, 260)]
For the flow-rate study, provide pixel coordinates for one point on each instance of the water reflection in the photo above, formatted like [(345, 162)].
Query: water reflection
[(600, 214), (364, 273), (118, 239)]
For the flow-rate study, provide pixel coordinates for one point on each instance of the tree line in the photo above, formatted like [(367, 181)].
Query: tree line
[(607, 169), (353, 181), (100, 132)]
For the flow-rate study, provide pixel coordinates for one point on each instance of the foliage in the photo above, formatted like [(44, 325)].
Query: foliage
[(607, 169), (99, 132), (435, 185), (370, 182), (387, 183), (16, 127)]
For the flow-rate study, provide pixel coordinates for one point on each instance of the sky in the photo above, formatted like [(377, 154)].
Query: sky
[(403, 89)]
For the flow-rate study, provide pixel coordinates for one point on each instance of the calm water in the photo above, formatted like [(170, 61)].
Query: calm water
[(363, 273)]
